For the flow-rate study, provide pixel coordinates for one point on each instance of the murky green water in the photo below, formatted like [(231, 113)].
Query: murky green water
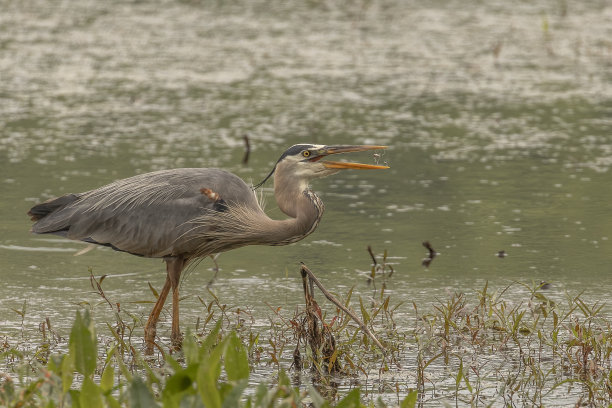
[(498, 117)]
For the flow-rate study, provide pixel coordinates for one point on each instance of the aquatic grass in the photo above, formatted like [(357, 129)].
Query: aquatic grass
[(214, 374), (523, 350), (517, 345)]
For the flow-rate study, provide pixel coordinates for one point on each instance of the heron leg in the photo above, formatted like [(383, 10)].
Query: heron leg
[(175, 267), (151, 327)]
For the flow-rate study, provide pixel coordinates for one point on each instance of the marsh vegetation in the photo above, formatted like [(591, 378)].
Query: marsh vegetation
[(488, 347)]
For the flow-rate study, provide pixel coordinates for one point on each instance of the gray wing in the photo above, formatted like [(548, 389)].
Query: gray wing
[(149, 214)]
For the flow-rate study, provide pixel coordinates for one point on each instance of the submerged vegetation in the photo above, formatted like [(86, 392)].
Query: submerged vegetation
[(489, 347)]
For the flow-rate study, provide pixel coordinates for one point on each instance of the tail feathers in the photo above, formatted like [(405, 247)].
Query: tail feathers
[(42, 210)]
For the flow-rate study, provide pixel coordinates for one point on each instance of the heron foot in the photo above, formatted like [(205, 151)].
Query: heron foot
[(150, 332)]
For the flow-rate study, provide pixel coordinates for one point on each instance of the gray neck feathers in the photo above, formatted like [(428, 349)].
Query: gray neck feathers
[(303, 206)]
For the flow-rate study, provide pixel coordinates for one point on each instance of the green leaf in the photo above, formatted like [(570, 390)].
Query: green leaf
[(140, 395), (262, 392), (110, 355), (179, 384), (124, 370), (173, 363), (410, 400), (459, 374), (117, 337), (351, 400), (210, 340), (112, 402), (232, 398), (190, 349), (75, 397), (207, 385), (153, 290), (209, 371), (91, 394), (364, 312), (283, 379), (67, 370), (236, 360), (152, 378), (54, 365), (82, 344), (107, 380)]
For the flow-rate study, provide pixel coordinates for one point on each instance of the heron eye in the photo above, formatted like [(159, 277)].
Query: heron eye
[(306, 153)]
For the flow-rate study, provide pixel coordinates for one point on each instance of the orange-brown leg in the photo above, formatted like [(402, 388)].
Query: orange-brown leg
[(175, 267), (151, 327)]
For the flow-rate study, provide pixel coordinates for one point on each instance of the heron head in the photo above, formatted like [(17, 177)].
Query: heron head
[(305, 162)]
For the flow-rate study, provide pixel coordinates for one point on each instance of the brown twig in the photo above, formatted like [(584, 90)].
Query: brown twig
[(431, 256), (313, 279), (97, 286), (247, 146), (372, 255)]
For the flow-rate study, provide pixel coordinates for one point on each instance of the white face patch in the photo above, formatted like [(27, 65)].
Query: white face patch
[(300, 166)]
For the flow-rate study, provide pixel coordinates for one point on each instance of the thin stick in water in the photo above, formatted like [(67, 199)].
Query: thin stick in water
[(304, 270)]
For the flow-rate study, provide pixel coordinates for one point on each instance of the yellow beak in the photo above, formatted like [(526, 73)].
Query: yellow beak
[(348, 149)]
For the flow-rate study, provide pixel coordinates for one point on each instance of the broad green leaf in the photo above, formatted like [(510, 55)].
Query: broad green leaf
[(225, 388), (107, 380), (190, 349), (110, 355), (232, 398), (283, 380), (179, 382), (112, 402), (91, 394), (75, 397), (124, 370), (207, 386), (260, 395), (54, 364), (410, 400), (140, 395), (209, 371), (83, 345), (179, 385), (210, 340), (67, 370), (152, 378), (236, 360), (173, 363), (351, 400)]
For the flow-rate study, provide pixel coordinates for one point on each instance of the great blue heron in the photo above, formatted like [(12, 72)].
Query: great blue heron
[(181, 215)]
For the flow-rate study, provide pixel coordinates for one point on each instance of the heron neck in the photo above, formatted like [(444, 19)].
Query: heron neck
[(303, 206)]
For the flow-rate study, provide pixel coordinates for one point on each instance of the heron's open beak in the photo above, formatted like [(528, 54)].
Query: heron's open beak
[(327, 150)]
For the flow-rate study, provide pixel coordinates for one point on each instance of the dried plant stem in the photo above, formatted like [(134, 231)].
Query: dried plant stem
[(305, 271)]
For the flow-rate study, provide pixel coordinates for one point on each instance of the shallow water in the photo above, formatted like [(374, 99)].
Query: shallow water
[(498, 117)]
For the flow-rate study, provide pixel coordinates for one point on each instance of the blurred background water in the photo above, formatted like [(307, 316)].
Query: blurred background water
[(498, 116)]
